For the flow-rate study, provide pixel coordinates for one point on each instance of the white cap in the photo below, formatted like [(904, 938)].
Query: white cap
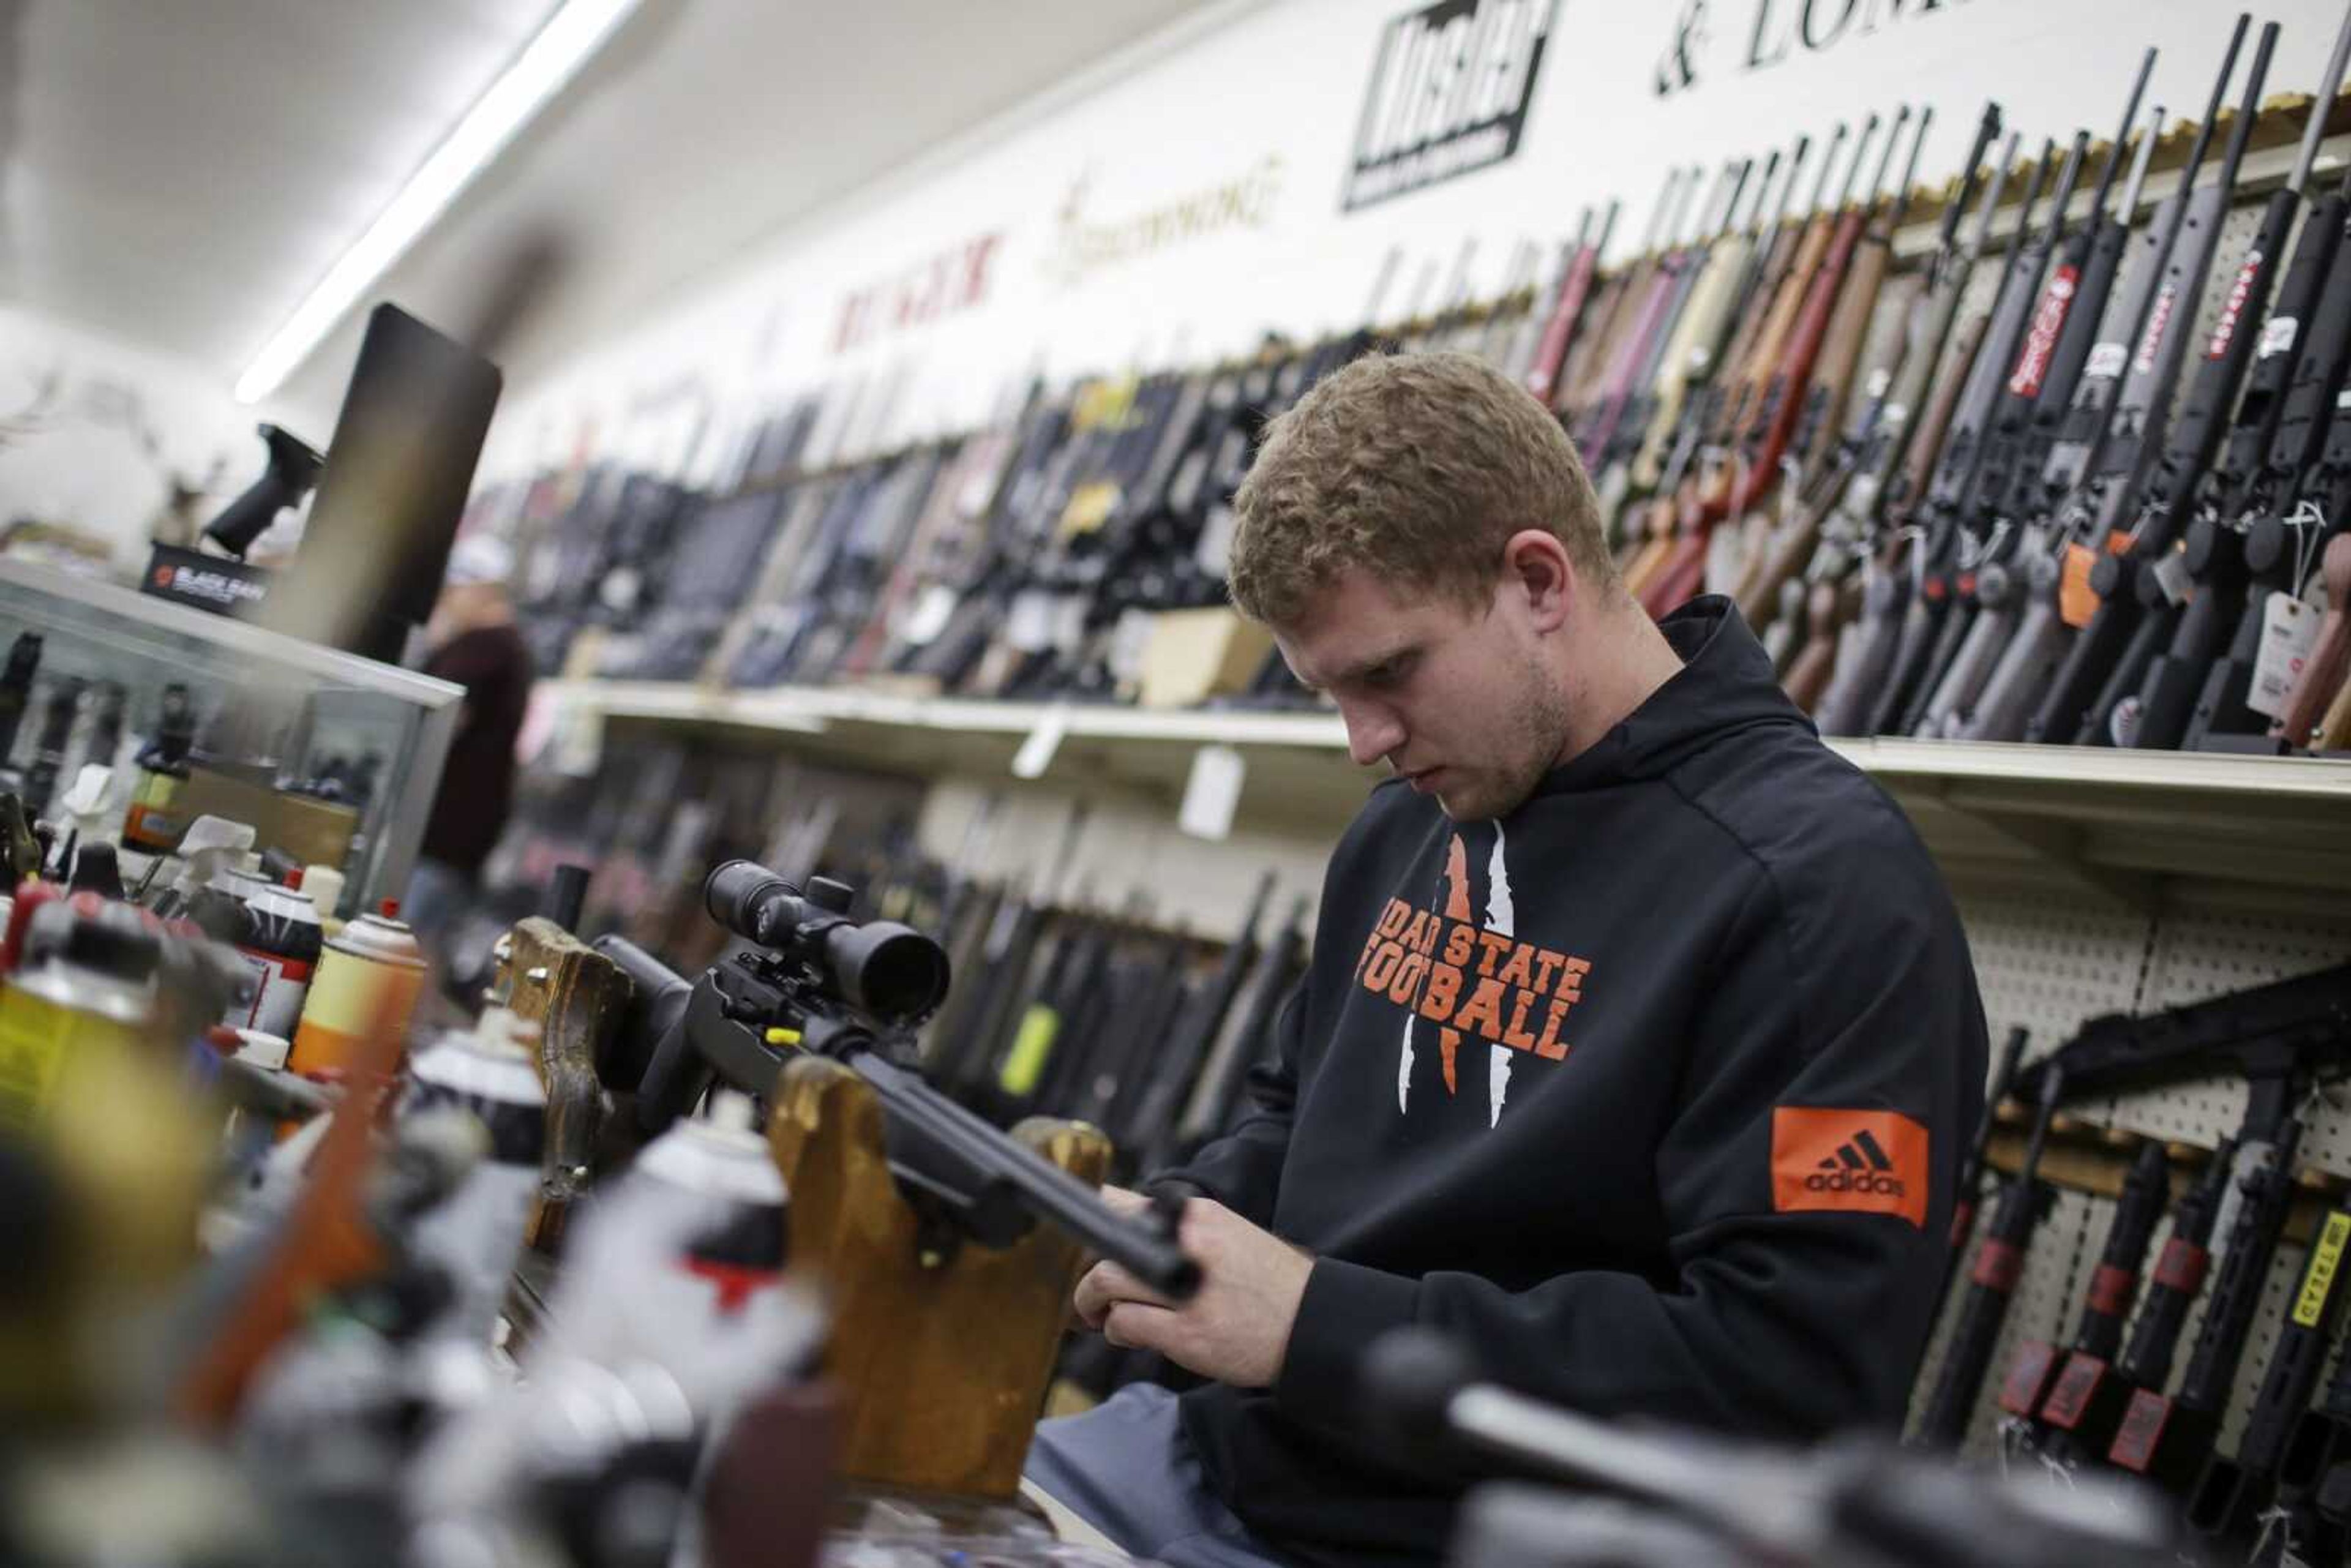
[(479, 557)]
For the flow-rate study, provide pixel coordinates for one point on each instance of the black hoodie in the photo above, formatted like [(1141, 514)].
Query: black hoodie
[(1652, 1091)]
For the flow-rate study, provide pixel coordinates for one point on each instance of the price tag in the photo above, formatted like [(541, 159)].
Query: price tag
[(1028, 627), (929, 617), (2289, 631), (1068, 621), (2077, 601), (1035, 753), (1214, 550), (2122, 722), (1212, 792), (1129, 640), (1880, 380), (2106, 360), (2278, 335), (2172, 576)]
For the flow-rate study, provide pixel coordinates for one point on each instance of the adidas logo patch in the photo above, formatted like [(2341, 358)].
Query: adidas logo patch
[(1859, 1164), (1861, 1160)]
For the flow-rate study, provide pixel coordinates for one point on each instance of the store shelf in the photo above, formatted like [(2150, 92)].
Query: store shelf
[(2129, 825)]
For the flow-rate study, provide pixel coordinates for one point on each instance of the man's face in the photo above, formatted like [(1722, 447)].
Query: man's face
[(1456, 701)]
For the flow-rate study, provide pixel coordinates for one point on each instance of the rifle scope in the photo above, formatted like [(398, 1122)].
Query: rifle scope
[(889, 972)]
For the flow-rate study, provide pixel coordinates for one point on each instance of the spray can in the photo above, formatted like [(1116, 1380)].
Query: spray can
[(722, 1159), (87, 984), (370, 973), (476, 1232), (279, 936)]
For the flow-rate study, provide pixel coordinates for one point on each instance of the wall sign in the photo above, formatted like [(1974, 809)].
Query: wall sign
[(1087, 244), (953, 279), (1768, 32), (1448, 94)]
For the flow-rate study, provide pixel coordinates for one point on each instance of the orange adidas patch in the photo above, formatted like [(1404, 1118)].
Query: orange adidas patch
[(1860, 1162)]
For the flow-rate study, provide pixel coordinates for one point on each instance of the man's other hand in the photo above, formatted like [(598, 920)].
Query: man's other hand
[(1236, 1327)]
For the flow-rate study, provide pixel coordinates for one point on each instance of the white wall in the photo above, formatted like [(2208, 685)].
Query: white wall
[(1273, 97), (93, 432)]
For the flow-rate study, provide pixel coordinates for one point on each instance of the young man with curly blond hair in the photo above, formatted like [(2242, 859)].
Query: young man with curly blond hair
[(1639, 1041)]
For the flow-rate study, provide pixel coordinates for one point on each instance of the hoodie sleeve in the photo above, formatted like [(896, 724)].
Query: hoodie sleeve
[(1242, 1170), (1806, 1179)]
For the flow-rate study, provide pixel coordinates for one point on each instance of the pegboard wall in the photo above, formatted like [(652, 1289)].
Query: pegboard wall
[(2047, 966)]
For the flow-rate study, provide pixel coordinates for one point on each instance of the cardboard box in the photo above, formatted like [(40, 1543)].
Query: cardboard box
[(1195, 655)]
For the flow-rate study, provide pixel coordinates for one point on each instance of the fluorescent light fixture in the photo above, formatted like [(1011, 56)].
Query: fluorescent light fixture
[(571, 37)]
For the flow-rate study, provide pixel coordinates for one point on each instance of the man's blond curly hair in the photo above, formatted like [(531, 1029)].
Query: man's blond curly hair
[(1415, 468)]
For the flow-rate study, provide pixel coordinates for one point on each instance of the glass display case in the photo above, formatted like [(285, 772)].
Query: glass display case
[(334, 758)]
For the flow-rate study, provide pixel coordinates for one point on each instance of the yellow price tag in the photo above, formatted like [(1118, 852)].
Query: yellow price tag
[(1032, 1046), (2318, 1279)]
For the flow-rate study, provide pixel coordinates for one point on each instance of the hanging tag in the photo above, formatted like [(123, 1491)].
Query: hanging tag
[(933, 609), (1216, 547), (2278, 335), (2107, 362), (1035, 753), (2289, 631), (2122, 723), (1212, 792), (1069, 621), (2172, 576), (2077, 601), (1028, 627)]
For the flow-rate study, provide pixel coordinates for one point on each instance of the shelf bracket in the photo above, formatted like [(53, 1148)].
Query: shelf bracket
[(2060, 845)]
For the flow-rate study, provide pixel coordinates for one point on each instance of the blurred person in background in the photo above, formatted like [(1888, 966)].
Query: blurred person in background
[(473, 643)]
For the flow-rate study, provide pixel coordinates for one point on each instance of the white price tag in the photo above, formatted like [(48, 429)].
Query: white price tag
[(2106, 360), (2289, 631), (1070, 621), (1129, 640), (1215, 546), (2122, 722), (2278, 335), (1028, 627), (1879, 381), (933, 609), (1035, 753), (2172, 576), (1212, 792)]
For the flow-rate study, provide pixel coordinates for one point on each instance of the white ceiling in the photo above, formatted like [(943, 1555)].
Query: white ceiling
[(178, 174)]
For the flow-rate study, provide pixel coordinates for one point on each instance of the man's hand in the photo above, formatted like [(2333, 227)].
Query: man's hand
[(1236, 1328)]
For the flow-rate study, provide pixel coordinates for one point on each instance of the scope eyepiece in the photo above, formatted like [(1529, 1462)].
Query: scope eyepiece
[(892, 972)]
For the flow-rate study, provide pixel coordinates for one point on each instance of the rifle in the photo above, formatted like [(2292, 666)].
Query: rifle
[(1679, 577), (1969, 1188), (1650, 538), (1864, 341), (2085, 1402), (2232, 1492), (2140, 418), (1902, 453), (1179, 1061), (1624, 431), (2213, 556), (1582, 378), (1209, 1109), (1567, 308), (1956, 502), (812, 980), (2319, 1442), (1784, 393), (1929, 513), (2309, 456), (1999, 1264), (2106, 1306), (1651, 284), (2065, 329), (1663, 371), (2169, 1440)]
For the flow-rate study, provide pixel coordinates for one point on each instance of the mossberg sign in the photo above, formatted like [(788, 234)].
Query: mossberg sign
[(1448, 94)]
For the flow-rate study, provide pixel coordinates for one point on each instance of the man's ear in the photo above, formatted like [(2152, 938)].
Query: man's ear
[(1535, 567)]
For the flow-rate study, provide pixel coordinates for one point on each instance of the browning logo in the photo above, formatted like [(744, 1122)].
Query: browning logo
[(1470, 979), (1868, 1162)]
